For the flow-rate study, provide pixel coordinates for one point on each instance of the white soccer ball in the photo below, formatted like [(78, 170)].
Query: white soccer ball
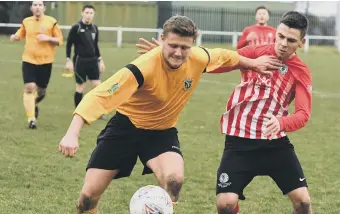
[(151, 200)]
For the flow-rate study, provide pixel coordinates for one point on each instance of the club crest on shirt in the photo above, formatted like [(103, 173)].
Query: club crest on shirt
[(93, 35), (187, 84), (283, 70), (113, 88)]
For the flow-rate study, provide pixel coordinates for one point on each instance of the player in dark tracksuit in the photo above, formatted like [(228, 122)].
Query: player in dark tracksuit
[(87, 62)]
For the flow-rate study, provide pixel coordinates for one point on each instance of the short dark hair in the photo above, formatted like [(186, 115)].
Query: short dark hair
[(88, 6), (180, 25), (296, 20), (262, 8)]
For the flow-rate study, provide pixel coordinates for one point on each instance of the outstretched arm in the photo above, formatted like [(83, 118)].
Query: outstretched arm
[(107, 96), (101, 100), (219, 57), (263, 64)]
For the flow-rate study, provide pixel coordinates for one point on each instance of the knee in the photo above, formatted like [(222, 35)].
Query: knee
[(226, 203), (95, 83), (87, 201), (41, 92), (80, 88), (174, 184), (302, 204), (29, 88)]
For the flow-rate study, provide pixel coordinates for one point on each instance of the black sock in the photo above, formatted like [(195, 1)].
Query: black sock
[(77, 98), (39, 98)]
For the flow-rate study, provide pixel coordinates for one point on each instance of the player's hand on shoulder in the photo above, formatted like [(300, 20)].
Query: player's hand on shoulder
[(147, 46), (69, 65), (43, 37), (69, 145), (266, 64)]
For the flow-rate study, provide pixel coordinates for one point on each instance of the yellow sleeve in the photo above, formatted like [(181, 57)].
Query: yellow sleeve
[(222, 58), (21, 32), (57, 33), (107, 96)]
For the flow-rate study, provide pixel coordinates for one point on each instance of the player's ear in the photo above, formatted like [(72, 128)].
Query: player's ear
[(162, 37), (302, 42), (197, 35)]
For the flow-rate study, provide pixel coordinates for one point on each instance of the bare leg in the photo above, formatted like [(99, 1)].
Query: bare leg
[(96, 181)]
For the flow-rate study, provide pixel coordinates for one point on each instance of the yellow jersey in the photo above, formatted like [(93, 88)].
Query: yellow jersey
[(37, 52), (150, 93)]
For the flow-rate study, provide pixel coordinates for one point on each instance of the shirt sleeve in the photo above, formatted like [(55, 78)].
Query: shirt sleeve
[(71, 40), (248, 51), (303, 106), (108, 95), (221, 58), (243, 39), (56, 33), (21, 32), (96, 43)]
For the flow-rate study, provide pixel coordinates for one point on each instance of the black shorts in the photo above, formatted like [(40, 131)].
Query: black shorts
[(85, 68), (275, 158), (120, 143), (38, 74)]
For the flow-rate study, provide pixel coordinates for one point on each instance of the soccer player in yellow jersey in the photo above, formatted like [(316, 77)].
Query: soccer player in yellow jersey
[(42, 34), (148, 95)]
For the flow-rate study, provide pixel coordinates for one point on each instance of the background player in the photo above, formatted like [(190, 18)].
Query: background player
[(42, 34), (260, 33)]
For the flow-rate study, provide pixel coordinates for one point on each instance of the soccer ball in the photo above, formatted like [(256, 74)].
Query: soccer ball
[(151, 200)]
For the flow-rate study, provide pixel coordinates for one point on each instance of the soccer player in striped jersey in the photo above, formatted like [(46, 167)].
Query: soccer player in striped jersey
[(148, 95), (256, 120), (260, 33)]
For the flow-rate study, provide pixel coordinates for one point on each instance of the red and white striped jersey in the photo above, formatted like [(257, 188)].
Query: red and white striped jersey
[(258, 95)]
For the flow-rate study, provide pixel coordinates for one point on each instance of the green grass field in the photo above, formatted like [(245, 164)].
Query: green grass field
[(35, 178)]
